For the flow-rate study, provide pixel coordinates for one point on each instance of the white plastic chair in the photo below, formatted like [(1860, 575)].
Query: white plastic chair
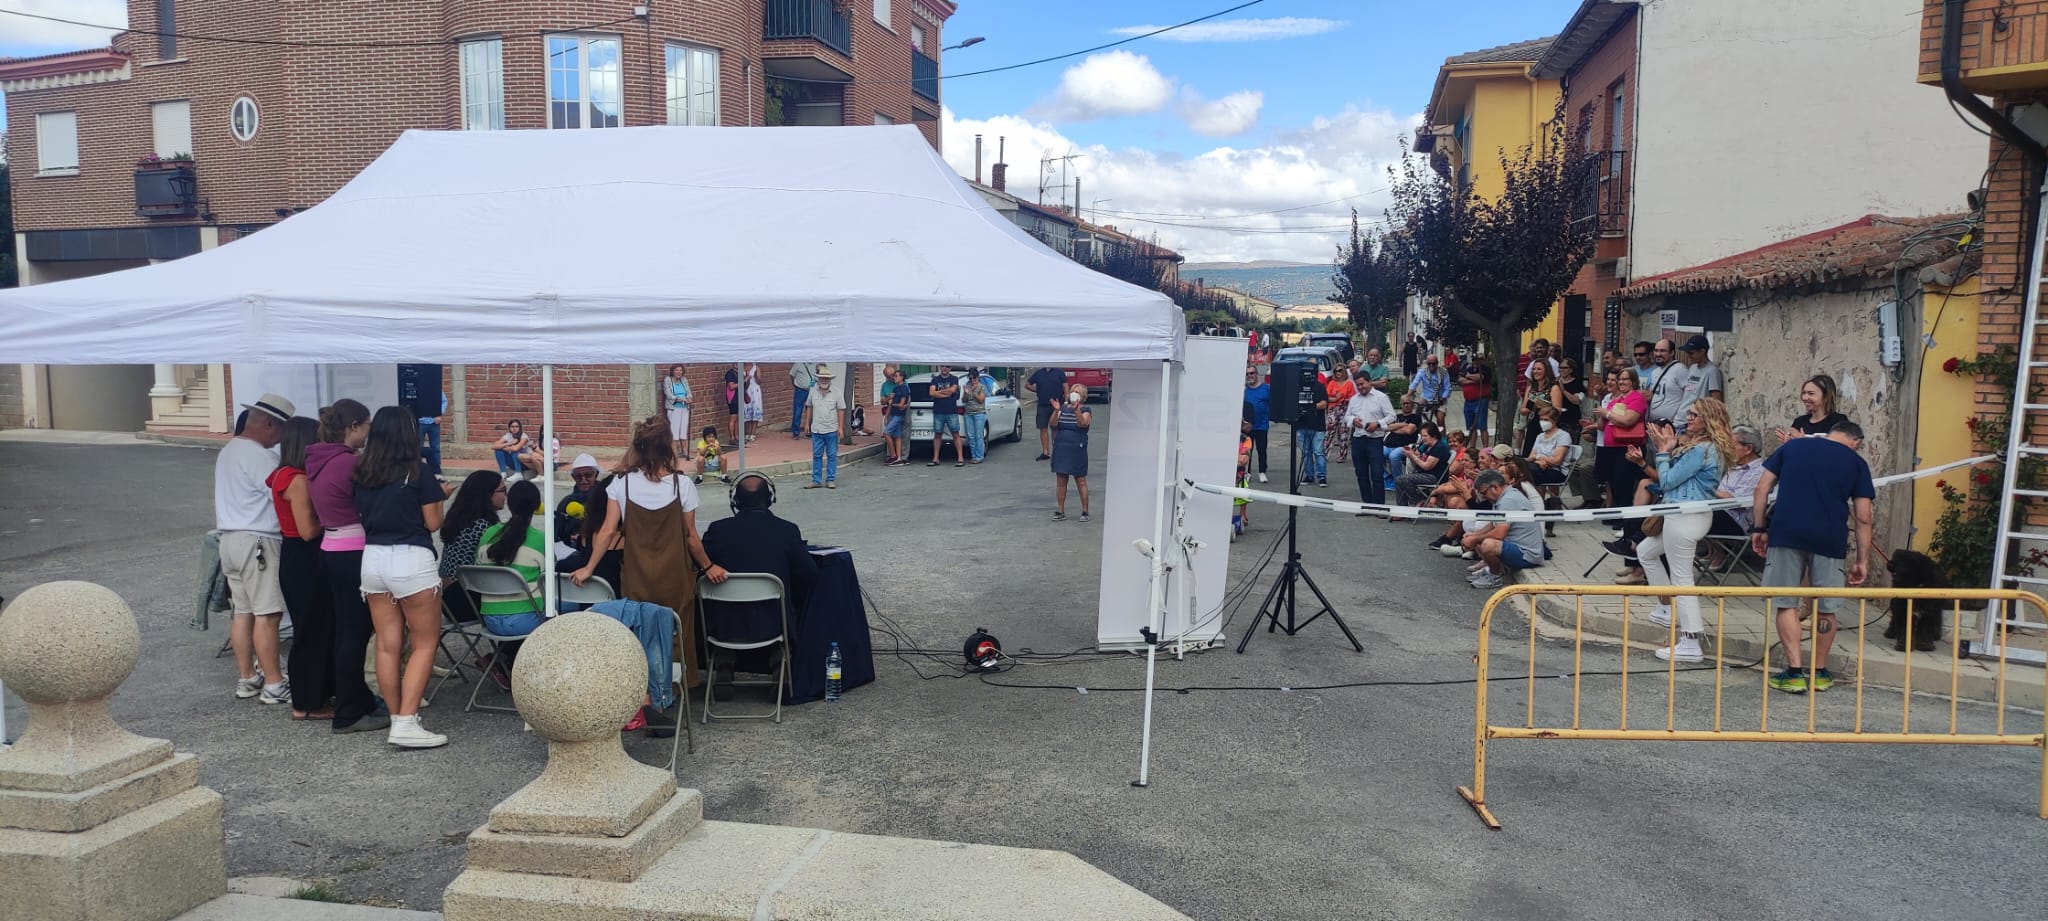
[(743, 587), (492, 580)]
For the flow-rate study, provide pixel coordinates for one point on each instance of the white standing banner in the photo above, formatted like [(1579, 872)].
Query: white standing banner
[(1208, 399), (311, 386)]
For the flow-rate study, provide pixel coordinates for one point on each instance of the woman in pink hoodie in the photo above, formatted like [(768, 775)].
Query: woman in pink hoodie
[(330, 468)]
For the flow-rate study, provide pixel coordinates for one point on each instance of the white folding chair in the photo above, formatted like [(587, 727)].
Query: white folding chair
[(594, 591), (588, 593), (452, 627), (492, 580), (739, 588)]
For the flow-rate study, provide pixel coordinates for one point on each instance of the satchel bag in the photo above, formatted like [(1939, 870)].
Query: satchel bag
[(1653, 526)]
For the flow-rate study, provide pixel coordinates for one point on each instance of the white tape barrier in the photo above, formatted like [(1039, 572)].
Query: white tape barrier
[(1409, 513)]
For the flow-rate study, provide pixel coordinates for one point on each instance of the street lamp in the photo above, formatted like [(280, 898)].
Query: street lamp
[(972, 41)]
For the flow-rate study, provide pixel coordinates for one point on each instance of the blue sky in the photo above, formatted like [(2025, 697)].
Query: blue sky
[(1283, 104)]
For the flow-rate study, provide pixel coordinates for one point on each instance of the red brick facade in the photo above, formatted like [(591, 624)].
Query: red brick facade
[(327, 111), (1591, 87)]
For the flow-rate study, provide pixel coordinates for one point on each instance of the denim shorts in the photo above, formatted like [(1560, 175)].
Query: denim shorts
[(894, 427), (946, 423)]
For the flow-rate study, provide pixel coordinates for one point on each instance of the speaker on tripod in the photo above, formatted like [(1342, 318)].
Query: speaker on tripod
[(1296, 391)]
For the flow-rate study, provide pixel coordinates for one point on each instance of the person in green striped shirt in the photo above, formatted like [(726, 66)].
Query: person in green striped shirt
[(519, 544)]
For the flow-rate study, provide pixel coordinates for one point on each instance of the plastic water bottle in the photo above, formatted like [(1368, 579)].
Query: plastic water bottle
[(832, 675)]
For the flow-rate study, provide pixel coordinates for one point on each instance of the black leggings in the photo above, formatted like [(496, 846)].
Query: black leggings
[(352, 631), (1259, 446), (1622, 479), (312, 608)]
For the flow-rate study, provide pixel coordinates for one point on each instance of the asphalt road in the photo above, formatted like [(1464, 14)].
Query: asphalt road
[(1265, 804)]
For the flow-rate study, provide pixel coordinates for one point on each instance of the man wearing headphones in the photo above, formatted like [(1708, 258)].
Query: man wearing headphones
[(755, 540)]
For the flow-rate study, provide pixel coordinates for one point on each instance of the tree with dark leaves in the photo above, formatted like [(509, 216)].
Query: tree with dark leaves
[(1370, 282), (1499, 267)]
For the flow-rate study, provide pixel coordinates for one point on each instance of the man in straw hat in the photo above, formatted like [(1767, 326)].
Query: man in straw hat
[(825, 417), (251, 546)]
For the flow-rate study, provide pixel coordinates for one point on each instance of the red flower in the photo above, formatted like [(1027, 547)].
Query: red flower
[(1940, 484), (1983, 479), (1951, 365), (1972, 423)]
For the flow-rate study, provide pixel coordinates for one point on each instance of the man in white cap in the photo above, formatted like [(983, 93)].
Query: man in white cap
[(583, 474), (825, 416), (251, 545)]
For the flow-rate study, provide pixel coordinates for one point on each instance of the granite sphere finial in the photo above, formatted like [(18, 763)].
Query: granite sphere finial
[(62, 642), (579, 678)]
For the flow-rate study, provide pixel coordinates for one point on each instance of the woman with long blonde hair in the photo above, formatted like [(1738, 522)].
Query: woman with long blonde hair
[(663, 551), (1688, 470)]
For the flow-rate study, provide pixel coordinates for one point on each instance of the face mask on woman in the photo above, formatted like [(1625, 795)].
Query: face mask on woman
[(1547, 425)]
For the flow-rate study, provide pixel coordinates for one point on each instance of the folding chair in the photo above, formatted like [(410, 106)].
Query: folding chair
[(594, 591), (450, 626), (743, 587), (492, 580), (1740, 561), (589, 592)]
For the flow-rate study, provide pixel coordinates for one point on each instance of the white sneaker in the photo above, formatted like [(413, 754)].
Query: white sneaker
[(1661, 615), (246, 688), (1687, 650), (1486, 580), (1262, 478), (406, 732), (1475, 569), (279, 693), (1470, 555), (1450, 550)]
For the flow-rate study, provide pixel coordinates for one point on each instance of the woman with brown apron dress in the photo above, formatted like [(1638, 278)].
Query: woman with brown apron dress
[(663, 551)]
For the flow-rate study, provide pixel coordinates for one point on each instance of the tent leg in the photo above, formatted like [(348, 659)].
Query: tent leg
[(549, 590), (1156, 596), (740, 400)]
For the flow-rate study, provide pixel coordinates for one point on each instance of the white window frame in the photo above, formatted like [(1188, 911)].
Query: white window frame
[(583, 99), (917, 37), (685, 67), (884, 118), (255, 124), (480, 69), (882, 12), (53, 159), (170, 127)]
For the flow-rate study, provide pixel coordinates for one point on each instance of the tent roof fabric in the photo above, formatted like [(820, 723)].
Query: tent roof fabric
[(628, 245)]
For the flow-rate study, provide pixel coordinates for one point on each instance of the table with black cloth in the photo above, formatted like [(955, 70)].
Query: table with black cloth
[(834, 613)]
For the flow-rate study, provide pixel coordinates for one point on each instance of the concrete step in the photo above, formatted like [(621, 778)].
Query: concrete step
[(234, 907)]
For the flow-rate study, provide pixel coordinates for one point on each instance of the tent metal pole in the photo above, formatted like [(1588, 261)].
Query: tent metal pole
[(1161, 488), (549, 590), (739, 399)]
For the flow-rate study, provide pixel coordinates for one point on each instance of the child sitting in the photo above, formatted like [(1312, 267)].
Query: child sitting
[(709, 456)]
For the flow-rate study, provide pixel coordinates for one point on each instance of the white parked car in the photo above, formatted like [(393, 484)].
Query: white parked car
[(1005, 414)]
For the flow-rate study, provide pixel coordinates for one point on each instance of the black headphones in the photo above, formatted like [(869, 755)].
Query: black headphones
[(733, 500)]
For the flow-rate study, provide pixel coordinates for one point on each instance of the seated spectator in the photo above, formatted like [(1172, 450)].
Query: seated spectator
[(611, 561), (754, 540), (509, 448), (1401, 434), (1510, 545), (1428, 460), (575, 507), (519, 545), (710, 456), (1738, 482), (1550, 451), (472, 512)]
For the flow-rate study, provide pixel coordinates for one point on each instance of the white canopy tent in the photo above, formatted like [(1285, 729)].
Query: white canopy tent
[(623, 246)]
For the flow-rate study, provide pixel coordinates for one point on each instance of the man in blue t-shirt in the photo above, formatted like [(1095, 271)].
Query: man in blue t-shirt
[(1819, 482), (1051, 386), (1259, 396)]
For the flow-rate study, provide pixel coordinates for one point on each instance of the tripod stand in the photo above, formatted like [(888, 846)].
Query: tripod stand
[(1282, 594)]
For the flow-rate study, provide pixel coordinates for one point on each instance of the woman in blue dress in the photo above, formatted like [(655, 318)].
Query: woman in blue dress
[(1070, 450)]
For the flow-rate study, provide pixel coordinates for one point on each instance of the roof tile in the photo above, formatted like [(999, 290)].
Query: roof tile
[(1870, 246)]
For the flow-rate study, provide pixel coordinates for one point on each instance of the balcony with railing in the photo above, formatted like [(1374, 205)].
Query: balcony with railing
[(1606, 200), (820, 20), (924, 75)]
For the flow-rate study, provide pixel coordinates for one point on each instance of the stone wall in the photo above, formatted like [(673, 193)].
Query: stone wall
[(11, 416)]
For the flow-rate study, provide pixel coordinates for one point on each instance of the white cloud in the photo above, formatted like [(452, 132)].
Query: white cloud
[(1240, 30), (40, 36), (1231, 115), (1210, 207), (1102, 85)]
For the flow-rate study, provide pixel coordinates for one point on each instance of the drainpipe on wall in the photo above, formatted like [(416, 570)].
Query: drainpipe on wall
[(1952, 84)]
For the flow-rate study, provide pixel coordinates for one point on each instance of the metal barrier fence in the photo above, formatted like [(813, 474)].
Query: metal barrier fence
[(1716, 621)]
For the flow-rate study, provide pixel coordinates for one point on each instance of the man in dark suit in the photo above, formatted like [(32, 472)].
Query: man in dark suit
[(754, 540)]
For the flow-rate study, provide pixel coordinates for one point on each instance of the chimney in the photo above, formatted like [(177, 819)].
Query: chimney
[(977, 159), (1000, 172)]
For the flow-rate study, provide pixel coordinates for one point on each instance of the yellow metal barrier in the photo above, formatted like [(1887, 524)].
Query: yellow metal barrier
[(1669, 732)]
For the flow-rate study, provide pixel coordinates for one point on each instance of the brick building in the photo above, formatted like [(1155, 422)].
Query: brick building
[(1594, 59), (212, 119)]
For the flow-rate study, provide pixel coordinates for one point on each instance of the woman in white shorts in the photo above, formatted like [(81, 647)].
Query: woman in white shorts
[(400, 503), (675, 400)]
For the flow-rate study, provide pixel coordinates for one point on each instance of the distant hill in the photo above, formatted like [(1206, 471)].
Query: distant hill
[(1286, 285), (1255, 264)]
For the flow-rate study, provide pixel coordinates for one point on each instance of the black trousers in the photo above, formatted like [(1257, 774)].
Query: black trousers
[(312, 608), (352, 630), (1259, 446), (1623, 479)]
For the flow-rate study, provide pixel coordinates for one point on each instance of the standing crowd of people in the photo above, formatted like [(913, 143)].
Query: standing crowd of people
[(1657, 430)]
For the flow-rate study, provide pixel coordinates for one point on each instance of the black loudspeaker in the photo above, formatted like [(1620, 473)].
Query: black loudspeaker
[(1295, 392), (419, 389)]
